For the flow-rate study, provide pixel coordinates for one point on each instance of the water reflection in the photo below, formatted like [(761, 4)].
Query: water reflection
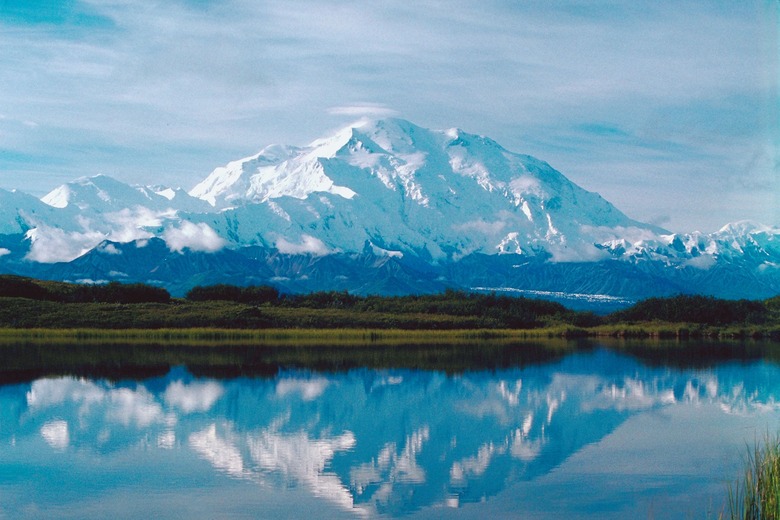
[(367, 441)]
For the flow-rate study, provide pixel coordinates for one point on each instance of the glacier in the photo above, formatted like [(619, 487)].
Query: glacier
[(381, 206)]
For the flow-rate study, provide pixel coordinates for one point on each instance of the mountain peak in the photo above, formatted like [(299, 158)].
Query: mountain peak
[(436, 201), (98, 192), (387, 135), (745, 227), (401, 187)]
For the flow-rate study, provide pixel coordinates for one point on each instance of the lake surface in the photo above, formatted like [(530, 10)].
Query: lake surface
[(572, 431)]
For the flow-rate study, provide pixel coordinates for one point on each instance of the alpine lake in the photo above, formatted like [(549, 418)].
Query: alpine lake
[(537, 429)]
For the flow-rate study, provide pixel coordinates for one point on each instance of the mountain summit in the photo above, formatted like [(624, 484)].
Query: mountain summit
[(400, 187), (381, 206)]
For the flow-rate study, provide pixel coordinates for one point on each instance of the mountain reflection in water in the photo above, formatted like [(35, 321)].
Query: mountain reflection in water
[(368, 441)]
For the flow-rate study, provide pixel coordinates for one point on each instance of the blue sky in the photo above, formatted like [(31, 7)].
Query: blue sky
[(669, 108)]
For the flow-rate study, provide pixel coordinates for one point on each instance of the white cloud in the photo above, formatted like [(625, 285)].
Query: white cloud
[(304, 461), (56, 434), (128, 224), (527, 74), (363, 110), (308, 245), (474, 466), (522, 186), (298, 458), (578, 252), (525, 449), (391, 467), (309, 389), (195, 397), (222, 453), (91, 281), (45, 393), (703, 262), (4, 251), (481, 226), (110, 249), (196, 237), (602, 234), (50, 245), (136, 407)]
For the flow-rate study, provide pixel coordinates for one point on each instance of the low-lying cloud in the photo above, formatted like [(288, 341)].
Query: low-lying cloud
[(51, 245), (195, 237), (308, 245)]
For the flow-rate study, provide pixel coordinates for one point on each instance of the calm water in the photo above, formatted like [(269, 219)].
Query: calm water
[(583, 434)]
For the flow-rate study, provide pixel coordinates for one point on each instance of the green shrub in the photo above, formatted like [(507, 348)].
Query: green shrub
[(253, 294), (114, 292), (695, 309), (19, 287)]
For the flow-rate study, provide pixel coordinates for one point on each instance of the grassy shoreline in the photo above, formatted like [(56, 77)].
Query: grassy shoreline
[(298, 336), (354, 336)]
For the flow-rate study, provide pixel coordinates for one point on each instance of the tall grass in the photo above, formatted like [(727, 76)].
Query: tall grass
[(281, 337), (756, 496)]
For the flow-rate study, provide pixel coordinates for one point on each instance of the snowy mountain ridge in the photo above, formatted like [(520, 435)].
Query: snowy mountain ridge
[(404, 188), (387, 189)]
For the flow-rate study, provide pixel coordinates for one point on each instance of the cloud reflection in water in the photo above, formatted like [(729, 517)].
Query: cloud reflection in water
[(376, 442)]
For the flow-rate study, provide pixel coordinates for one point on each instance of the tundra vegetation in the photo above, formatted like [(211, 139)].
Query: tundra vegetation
[(30, 304)]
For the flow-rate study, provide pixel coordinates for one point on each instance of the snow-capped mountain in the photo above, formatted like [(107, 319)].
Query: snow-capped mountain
[(381, 206), (403, 188), (102, 195)]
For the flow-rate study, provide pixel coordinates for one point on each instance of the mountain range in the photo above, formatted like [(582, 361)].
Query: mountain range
[(381, 207)]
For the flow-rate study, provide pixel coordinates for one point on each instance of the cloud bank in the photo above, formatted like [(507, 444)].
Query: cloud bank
[(195, 237), (308, 245), (647, 104)]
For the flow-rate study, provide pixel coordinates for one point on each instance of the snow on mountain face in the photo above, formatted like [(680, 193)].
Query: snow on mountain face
[(277, 171), (738, 241), (402, 207), (401, 187), (80, 215), (20, 212), (102, 194)]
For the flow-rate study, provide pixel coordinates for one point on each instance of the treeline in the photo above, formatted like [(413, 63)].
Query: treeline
[(513, 312), (114, 292), (704, 310), (486, 310), (508, 311), (229, 306), (257, 295)]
